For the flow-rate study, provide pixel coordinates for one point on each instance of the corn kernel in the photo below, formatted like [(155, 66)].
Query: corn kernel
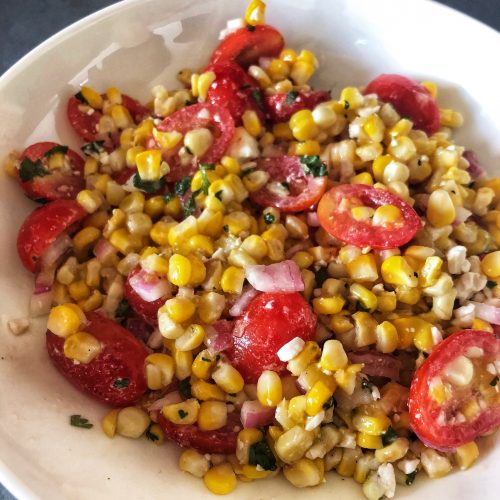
[(179, 270), (65, 319), (220, 479), (269, 388), (82, 347)]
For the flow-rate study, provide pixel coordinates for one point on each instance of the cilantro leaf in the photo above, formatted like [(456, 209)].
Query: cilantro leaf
[(79, 421), (167, 197), (182, 413), (291, 97), (312, 165), (389, 436), (260, 454), (148, 186), (257, 97), (491, 284), (185, 388), (55, 150), (123, 309), (28, 170), (190, 204), (182, 186), (269, 218), (205, 183), (94, 148), (151, 435), (346, 104), (121, 383)]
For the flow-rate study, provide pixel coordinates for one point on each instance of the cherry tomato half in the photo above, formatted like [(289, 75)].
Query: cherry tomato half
[(446, 408), (269, 322), (410, 99), (116, 375), (246, 45), (289, 188), (222, 440), (334, 214), (41, 183), (43, 226), (280, 107), (216, 118), (234, 89)]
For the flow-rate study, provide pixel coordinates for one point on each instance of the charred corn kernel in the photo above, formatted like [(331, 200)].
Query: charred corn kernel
[(299, 363), (82, 347), (386, 215), (255, 246), (305, 472), (232, 280), (293, 444), (364, 296), (466, 455), (65, 319), (166, 140), (212, 415), (394, 451), (490, 265), (203, 364), (396, 271), (220, 479), (363, 268), (202, 390), (351, 98), (160, 370), (363, 178), (79, 290), (269, 388), (191, 338), (375, 425), (368, 441), (328, 305), (302, 125), (89, 200), (387, 337), (440, 209), (434, 464), (333, 356), (180, 309), (179, 270), (109, 421), (318, 395), (479, 324), (93, 98), (194, 462), (228, 378), (198, 141), (185, 413), (132, 422), (150, 165), (303, 259)]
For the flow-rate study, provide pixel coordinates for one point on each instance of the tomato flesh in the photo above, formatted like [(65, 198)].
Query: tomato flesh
[(304, 190), (334, 214), (442, 425), (246, 45), (43, 226), (410, 99), (280, 107), (121, 359), (269, 322)]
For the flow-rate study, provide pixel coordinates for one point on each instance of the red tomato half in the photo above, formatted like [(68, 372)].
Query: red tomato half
[(42, 184), (216, 118), (303, 190), (85, 125), (246, 45), (334, 214), (410, 99), (443, 426), (190, 436), (269, 322), (43, 226), (281, 107), (234, 89), (116, 375)]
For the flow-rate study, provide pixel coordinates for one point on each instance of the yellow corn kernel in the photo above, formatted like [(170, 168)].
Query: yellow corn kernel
[(362, 214), (413, 327), (451, 118), (166, 140), (396, 271), (191, 338), (228, 378), (299, 363), (231, 165), (204, 82), (269, 388), (368, 441), (293, 444), (408, 295), (232, 280), (374, 128), (305, 472), (303, 259), (351, 98), (82, 347), (364, 328), (134, 202), (374, 425), (212, 415), (318, 395), (431, 87), (121, 116), (434, 464), (346, 379), (220, 479), (340, 324), (282, 131), (198, 271), (108, 423), (79, 290), (479, 324), (440, 209), (180, 309), (185, 413), (237, 222), (255, 13), (328, 305), (198, 141), (199, 177), (194, 462), (386, 301), (202, 390), (466, 455), (65, 319), (362, 178), (93, 302), (125, 242), (279, 70), (365, 297), (386, 215), (150, 165), (297, 409), (84, 239), (302, 125), (211, 304), (93, 98), (255, 246), (203, 364), (132, 422), (89, 200), (301, 71), (159, 232), (333, 356), (387, 337), (347, 465), (179, 270), (210, 222), (363, 268), (159, 370), (379, 165), (308, 147), (252, 123), (430, 271), (490, 265)]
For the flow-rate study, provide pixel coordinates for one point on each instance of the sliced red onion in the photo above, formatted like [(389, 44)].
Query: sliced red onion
[(40, 303), (254, 415), (219, 336), (312, 219), (281, 277), (244, 299), (461, 215), (104, 250), (475, 169), (44, 280), (55, 250), (377, 364), (149, 286), (170, 399), (297, 248), (487, 312)]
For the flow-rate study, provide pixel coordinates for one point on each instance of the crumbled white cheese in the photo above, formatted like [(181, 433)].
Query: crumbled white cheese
[(291, 349), (468, 284), (348, 440), (408, 466), (18, 326), (387, 479), (457, 260)]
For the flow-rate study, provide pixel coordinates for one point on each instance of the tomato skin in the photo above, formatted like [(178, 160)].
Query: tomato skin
[(55, 185), (305, 190), (190, 436), (245, 47), (43, 226), (148, 311), (342, 226), (279, 109), (269, 322), (122, 357), (409, 98), (424, 411), (219, 121)]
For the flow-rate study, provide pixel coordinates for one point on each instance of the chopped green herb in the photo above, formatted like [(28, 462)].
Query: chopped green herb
[(28, 170), (494, 382), (218, 195), (346, 104), (55, 150), (148, 186), (321, 276), (246, 172), (208, 360), (185, 388), (168, 197), (123, 309), (205, 183), (250, 27), (291, 97), (260, 454), (190, 204), (151, 435), (491, 284), (329, 404), (257, 97), (182, 186), (121, 383), (79, 421), (312, 165), (80, 97), (182, 413), (94, 148), (410, 478), (269, 218), (389, 436), (225, 227)]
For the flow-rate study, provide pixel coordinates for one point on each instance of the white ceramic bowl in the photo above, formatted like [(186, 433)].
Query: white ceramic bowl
[(134, 45)]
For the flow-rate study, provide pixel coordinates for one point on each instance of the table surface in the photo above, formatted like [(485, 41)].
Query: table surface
[(25, 24)]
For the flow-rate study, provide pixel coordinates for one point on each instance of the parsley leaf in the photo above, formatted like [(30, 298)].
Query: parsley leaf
[(148, 186), (80, 97), (269, 218), (491, 284), (121, 383), (291, 97), (182, 186), (321, 276), (123, 309), (167, 197), (257, 97), (28, 170), (185, 388), (260, 454), (205, 183), (55, 150), (94, 148), (312, 165), (389, 436), (79, 421), (494, 382), (410, 478), (190, 204)]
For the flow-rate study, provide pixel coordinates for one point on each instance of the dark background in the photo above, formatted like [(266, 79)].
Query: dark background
[(26, 23)]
